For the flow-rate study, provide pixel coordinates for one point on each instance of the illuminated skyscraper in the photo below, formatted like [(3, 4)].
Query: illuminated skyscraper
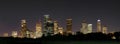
[(69, 26), (84, 28), (89, 28), (98, 25), (46, 18), (48, 26), (38, 30), (60, 30), (55, 27), (14, 34), (24, 31), (104, 29)]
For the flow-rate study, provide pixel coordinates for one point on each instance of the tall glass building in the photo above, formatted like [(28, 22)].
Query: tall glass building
[(48, 26)]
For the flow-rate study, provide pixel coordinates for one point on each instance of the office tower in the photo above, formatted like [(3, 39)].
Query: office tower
[(104, 29), (84, 28), (24, 31), (38, 29), (46, 18), (89, 28), (33, 34), (98, 25), (14, 34), (60, 30), (69, 26), (55, 27), (48, 26), (5, 34)]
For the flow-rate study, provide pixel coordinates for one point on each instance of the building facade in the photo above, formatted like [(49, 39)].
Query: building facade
[(56, 27), (89, 28), (99, 26), (14, 34), (84, 28), (104, 29), (24, 30), (48, 26), (69, 26), (38, 32)]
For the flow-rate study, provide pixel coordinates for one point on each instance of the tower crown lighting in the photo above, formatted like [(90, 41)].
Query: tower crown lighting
[(98, 20)]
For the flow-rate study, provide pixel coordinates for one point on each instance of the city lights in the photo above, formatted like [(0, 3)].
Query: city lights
[(52, 27)]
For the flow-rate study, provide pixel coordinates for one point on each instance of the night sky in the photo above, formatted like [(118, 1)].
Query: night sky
[(12, 12)]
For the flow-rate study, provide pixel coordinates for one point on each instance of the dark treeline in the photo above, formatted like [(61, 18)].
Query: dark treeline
[(81, 36), (69, 37)]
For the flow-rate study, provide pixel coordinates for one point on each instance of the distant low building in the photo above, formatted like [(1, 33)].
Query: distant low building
[(14, 34), (104, 30), (60, 30), (5, 35)]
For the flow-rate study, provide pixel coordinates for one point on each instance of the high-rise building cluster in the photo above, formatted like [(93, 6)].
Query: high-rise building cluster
[(87, 28), (51, 27)]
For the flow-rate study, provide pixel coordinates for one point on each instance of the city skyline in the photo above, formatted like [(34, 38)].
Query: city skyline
[(50, 26), (12, 12)]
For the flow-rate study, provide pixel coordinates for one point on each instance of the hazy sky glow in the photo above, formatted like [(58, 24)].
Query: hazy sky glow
[(11, 13)]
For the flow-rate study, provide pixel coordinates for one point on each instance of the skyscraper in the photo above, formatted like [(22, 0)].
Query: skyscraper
[(84, 28), (69, 26), (104, 29), (46, 18), (24, 31), (55, 27), (38, 32), (98, 25), (48, 26), (89, 28), (60, 30)]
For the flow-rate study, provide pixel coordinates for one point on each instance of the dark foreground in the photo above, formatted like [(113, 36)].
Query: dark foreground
[(39, 41), (81, 42), (79, 38), (60, 42)]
